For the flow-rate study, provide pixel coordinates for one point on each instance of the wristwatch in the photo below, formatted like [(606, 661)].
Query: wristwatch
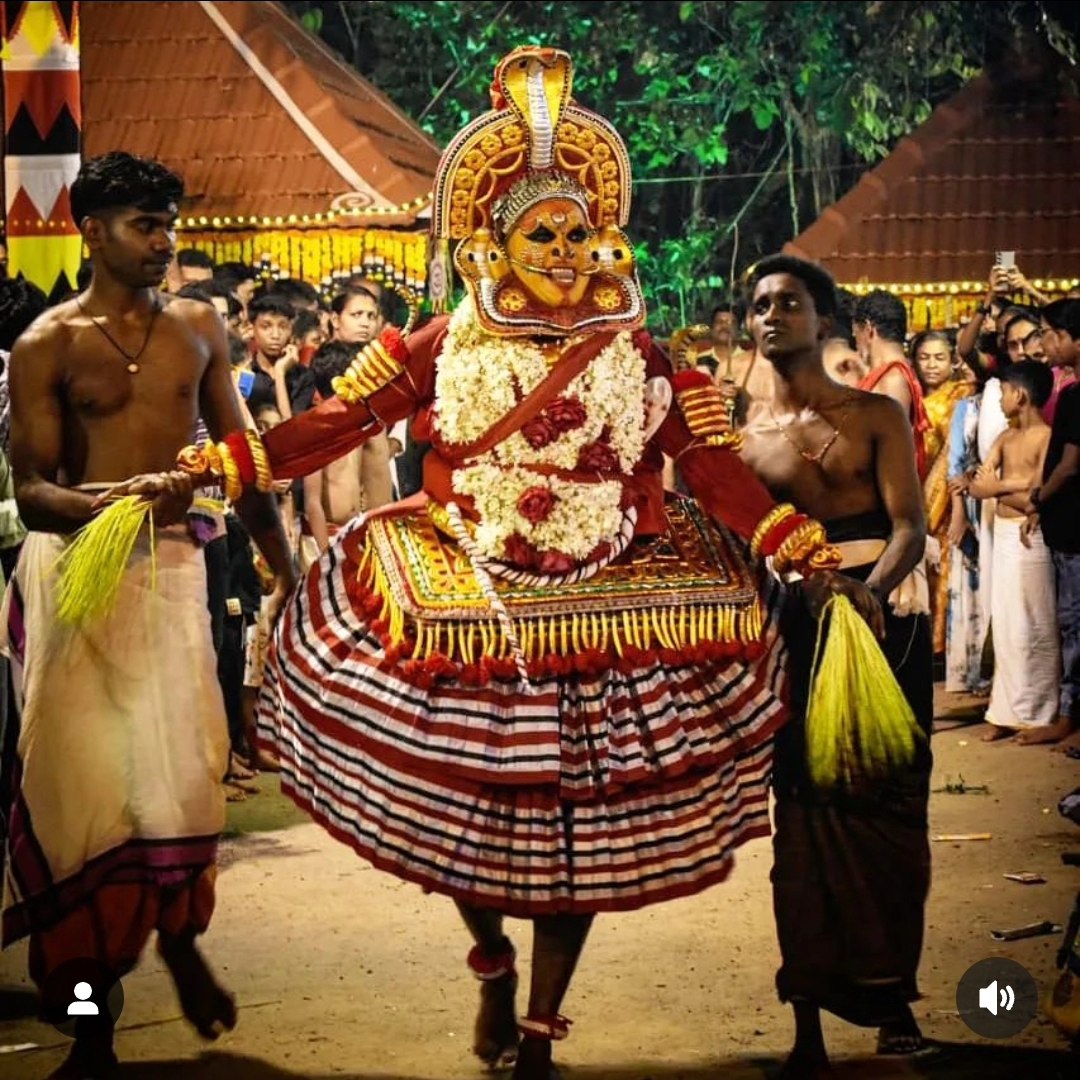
[(983, 309)]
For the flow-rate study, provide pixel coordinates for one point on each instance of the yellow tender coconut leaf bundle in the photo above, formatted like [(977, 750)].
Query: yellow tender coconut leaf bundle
[(859, 725), (93, 565)]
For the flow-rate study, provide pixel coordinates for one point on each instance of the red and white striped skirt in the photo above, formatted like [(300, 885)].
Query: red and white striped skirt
[(595, 792)]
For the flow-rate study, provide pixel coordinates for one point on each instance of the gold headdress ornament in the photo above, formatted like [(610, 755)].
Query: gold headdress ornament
[(535, 144)]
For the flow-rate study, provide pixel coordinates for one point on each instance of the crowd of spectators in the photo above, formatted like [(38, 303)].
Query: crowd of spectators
[(995, 421)]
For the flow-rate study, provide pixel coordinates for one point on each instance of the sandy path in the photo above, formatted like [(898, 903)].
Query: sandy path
[(343, 971)]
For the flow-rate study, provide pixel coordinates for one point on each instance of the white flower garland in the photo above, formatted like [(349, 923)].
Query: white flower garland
[(480, 378), (583, 515)]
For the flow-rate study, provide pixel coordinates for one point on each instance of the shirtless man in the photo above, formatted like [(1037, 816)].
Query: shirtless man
[(1027, 646), (851, 868), (108, 844), (334, 494), (741, 373)]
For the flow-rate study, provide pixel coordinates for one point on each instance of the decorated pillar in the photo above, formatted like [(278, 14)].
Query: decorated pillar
[(39, 54)]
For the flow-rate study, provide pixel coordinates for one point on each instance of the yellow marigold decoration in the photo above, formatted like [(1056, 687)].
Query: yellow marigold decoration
[(92, 566), (859, 725)]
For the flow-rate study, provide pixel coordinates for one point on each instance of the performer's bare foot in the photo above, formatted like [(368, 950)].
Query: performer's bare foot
[(994, 733), (90, 1059), (534, 1061), (495, 1037), (210, 1009), (1048, 733), (901, 1036)]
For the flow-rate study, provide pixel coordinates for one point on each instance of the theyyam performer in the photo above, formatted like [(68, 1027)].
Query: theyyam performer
[(538, 687)]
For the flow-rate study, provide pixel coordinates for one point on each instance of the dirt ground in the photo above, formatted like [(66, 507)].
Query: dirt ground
[(342, 971)]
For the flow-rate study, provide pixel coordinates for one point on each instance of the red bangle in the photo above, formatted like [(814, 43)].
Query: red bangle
[(780, 532), (689, 380), (237, 443)]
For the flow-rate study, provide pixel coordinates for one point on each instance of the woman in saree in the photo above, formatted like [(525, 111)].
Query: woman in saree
[(933, 358)]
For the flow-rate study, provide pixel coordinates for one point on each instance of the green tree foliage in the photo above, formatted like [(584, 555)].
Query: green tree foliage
[(743, 119)]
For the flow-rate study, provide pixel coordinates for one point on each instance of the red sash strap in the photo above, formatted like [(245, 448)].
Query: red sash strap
[(571, 364), (920, 422)]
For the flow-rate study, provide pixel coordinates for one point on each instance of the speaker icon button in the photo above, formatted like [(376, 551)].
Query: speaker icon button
[(997, 998)]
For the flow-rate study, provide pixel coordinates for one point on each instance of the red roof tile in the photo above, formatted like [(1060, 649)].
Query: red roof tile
[(164, 80), (983, 174)]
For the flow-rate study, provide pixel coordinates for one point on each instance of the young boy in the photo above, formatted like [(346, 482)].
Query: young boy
[(1023, 613), (333, 495)]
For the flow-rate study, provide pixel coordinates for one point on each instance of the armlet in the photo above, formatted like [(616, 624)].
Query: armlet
[(238, 461), (375, 366), (706, 411)]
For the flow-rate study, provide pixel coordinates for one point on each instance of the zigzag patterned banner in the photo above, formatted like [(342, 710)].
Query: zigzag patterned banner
[(39, 55)]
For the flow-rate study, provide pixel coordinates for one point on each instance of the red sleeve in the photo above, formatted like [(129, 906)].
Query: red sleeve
[(716, 476), (315, 438)]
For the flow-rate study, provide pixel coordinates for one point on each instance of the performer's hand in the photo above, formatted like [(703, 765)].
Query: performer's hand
[(958, 485), (170, 494), (819, 589)]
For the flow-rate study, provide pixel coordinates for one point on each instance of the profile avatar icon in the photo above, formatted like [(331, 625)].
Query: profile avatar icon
[(83, 1006)]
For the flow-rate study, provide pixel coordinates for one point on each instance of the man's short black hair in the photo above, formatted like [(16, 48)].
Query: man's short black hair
[(118, 179), (720, 309), (270, 304), (195, 258), (841, 331), (331, 359), (845, 304), (1063, 315), (236, 270), (205, 291), (1033, 376), (884, 312), (305, 322), (298, 293), (818, 281), (337, 305), (21, 302)]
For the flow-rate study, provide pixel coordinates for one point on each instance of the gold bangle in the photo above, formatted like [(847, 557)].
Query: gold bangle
[(780, 512), (230, 471), (347, 388), (798, 545), (264, 477)]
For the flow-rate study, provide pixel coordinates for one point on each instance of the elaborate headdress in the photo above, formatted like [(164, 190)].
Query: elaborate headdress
[(535, 144)]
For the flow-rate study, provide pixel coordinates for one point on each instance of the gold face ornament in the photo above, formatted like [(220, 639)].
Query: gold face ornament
[(549, 255)]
